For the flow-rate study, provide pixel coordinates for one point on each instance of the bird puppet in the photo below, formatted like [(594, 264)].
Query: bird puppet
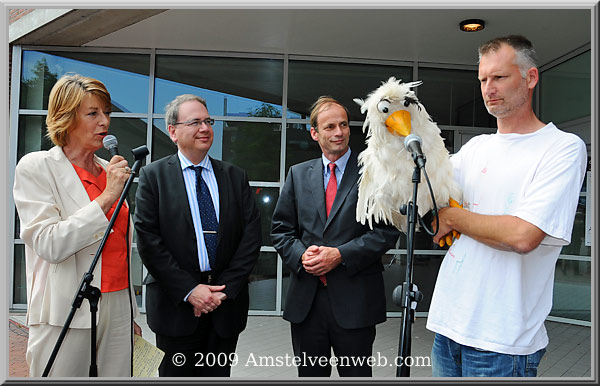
[(394, 112)]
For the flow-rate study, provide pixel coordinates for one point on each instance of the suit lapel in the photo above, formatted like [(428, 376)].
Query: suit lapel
[(67, 176), (348, 180), (179, 191), (223, 196), (317, 189)]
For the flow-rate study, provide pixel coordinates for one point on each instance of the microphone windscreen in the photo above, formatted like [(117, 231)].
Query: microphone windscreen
[(411, 138), (109, 142)]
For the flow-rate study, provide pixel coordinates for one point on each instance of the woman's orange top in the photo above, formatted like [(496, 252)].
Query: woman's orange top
[(114, 254)]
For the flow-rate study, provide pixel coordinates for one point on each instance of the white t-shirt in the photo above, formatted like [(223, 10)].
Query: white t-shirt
[(492, 299)]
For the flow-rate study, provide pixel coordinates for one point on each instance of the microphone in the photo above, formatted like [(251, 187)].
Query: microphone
[(412, 143), (110, 143)]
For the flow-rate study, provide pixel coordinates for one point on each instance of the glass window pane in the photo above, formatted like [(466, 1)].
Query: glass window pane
[(136, 275), (254, 146), (131, 133), (263, 282), (453, 97), (343, 81), (266, 199), (19, 277), (577, 246), (301, 147), (17, 225), (124, 75), (566, 90), (572, 290), (422, 239), (231, 86), (131, 202), (425, 271), (32, 135), (162, 145)]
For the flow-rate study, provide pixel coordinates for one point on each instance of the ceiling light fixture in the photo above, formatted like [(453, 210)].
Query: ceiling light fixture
[(472, 25)]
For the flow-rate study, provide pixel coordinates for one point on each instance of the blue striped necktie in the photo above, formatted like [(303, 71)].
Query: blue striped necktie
[(207, 215)]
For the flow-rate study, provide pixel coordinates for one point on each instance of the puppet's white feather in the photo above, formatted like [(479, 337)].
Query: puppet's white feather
[(387, 167)]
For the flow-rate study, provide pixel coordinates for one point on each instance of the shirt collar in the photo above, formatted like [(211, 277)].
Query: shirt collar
[(186, 163), (340, 163)]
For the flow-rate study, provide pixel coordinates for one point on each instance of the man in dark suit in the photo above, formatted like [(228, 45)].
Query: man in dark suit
[(198, 233), (336, 293)]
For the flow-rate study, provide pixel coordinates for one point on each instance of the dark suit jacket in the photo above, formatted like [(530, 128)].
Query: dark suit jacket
[(355, 287), (166, 242)]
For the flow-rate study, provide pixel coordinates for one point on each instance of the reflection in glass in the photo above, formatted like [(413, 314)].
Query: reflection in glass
[(301, 147), (231, 86), (130, 132), (32, 135), (453, 97), (131, 200), (425, 271), (124, 75), (344, 81), (566, 90), (263, 282), (136, 275), (422, 239), (162, 145), (19, 277), (577, 246), (254, 146), (17, 225), (572, 290), (266, 199)]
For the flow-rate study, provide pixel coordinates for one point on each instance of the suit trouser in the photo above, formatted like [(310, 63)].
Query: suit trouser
[(314, 338), (202, 354), (114, 339)]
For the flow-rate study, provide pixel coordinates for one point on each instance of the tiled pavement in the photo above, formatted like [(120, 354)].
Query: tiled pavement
[(17, 341), (267, 338)]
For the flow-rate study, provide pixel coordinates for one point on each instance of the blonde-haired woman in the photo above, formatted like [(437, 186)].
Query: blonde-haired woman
[(65, 198)]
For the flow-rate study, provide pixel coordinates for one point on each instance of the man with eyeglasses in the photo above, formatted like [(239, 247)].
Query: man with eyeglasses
[(199, 236)]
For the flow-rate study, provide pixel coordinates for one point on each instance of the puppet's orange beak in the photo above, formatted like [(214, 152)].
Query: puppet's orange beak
[(399, 123)]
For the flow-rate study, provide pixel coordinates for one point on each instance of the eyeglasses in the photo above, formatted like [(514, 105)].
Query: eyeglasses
[(196, 123)]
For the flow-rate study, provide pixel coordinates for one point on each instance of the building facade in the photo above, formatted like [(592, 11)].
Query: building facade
[(260, 101)]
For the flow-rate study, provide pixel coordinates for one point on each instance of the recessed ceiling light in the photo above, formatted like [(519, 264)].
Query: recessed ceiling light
[(472, 25)]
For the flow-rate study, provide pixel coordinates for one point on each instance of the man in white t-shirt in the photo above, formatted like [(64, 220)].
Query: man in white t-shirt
[(520, 190)]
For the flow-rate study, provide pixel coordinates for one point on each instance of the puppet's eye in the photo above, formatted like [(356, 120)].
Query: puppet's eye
[(406, 103), (383, 106)]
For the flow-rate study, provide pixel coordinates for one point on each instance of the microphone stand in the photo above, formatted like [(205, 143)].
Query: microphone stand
[(86, 290), (407, 295)]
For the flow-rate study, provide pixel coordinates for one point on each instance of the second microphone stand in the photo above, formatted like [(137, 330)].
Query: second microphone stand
[(86, 290), (408, 295)]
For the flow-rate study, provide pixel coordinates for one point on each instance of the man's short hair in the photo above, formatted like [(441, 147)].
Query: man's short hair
[(172, 109), (525, 58), (320, 105), (64, 101)]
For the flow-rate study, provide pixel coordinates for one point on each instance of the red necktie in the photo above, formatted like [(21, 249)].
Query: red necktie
[(329, 198), (331, 189)]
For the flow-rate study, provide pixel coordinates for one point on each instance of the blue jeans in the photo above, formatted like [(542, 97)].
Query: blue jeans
[(451, 359)]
